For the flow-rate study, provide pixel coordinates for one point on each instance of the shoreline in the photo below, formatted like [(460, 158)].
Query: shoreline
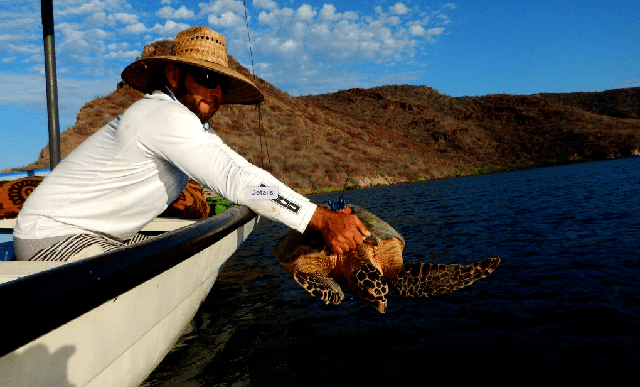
[(462, 171)]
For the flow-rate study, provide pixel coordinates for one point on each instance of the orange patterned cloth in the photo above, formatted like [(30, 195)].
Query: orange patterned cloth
[(190, 204), (14, 193)]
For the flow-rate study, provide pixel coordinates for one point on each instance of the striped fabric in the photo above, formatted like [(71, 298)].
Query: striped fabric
[(81, 246)]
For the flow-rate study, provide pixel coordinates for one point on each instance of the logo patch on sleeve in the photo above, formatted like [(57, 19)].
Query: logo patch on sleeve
[(284, 202)]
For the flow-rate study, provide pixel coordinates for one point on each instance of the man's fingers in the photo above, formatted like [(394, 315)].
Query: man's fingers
[(347, 241), (351, 244), (336, 248), (358, 239), (363, 229), (341, 231), (360, 227)]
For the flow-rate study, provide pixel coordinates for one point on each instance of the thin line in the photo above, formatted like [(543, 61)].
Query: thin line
[(261, 130)]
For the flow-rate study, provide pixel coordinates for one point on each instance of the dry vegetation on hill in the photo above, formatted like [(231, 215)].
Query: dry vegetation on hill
[(395, 134), (490, 130)]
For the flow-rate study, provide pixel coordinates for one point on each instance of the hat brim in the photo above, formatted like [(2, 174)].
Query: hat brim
[(140, 73)]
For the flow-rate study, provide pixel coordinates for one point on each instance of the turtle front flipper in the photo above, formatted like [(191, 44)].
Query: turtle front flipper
[(371, 286), (426, 279), (320, 286)]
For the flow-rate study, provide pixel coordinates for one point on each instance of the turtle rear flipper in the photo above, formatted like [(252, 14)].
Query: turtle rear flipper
[(371, 286), (320, 286), (426, 279)]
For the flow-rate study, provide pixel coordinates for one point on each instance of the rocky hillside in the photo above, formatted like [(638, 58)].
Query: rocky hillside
[(395, 134), (623, 103), (489, 130)]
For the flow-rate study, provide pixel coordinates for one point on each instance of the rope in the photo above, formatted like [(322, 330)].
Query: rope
[(261, 130)]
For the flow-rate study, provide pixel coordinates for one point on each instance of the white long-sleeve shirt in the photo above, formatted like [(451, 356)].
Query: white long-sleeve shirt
[(128, 172)]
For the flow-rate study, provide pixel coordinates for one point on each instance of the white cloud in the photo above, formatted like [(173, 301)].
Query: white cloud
[(124, 18), (26, 49), (344, 36), (305, 12), (350, 15), (184, 13), (21, 34), (305, 41), (118, 46), (277, 45), (289, 46), (217, 7), (277, 17), (93, 6), (435, 31), (393, 20), (301, 41), (228, 16), (75, 40), (128, 55), (328, 12), (168, 29), (265, 4), (417, 30), (19, 21), (172, 13), (134, 29), (227, 19), (399, 9), (445, 19)]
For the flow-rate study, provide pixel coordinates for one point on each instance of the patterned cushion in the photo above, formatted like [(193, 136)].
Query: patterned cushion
[(14, 193), (191, 204)]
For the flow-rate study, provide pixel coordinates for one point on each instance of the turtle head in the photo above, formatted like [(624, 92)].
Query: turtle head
[(371, 286)]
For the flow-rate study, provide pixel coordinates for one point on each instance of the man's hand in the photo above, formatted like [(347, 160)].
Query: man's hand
[(340, 230)]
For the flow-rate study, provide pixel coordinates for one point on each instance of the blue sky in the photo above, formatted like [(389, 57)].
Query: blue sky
[(308, 47)]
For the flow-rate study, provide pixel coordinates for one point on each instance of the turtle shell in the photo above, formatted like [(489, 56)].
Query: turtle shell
[(294, 244), (377, 227)]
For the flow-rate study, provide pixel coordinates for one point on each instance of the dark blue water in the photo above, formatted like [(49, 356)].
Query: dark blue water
[(564, 304)]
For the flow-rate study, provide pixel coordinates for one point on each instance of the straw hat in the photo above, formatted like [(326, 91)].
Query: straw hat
[(197, 46)]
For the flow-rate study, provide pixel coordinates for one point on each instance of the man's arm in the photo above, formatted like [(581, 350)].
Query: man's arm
[(173, 133), (341, 231)]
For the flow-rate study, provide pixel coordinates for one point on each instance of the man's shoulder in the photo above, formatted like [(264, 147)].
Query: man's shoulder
[(161, 106), (158, 99)]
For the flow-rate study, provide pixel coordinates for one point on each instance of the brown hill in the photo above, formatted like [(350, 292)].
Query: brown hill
[(621, 103), (489, 130), (395, 134)]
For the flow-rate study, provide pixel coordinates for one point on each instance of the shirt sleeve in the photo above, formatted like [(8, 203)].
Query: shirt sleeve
[(173, 133)]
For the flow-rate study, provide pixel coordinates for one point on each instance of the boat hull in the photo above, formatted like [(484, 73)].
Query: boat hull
[(120, 342)]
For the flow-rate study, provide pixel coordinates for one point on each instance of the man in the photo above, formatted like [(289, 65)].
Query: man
[(128, 172)]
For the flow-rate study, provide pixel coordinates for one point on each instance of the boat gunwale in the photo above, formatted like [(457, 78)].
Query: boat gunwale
[(37, 304)]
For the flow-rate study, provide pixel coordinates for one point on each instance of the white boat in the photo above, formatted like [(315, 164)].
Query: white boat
[(109, 320)]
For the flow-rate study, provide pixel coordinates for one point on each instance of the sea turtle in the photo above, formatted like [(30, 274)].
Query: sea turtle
[(371, 268)]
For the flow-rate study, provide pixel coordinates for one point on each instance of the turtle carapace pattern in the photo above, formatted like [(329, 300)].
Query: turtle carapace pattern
[(372, 268)]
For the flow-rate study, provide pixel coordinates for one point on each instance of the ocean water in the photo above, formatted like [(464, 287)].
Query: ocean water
[(563, 306)]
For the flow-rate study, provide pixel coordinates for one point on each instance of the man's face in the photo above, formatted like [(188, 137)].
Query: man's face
[(203, 100)]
